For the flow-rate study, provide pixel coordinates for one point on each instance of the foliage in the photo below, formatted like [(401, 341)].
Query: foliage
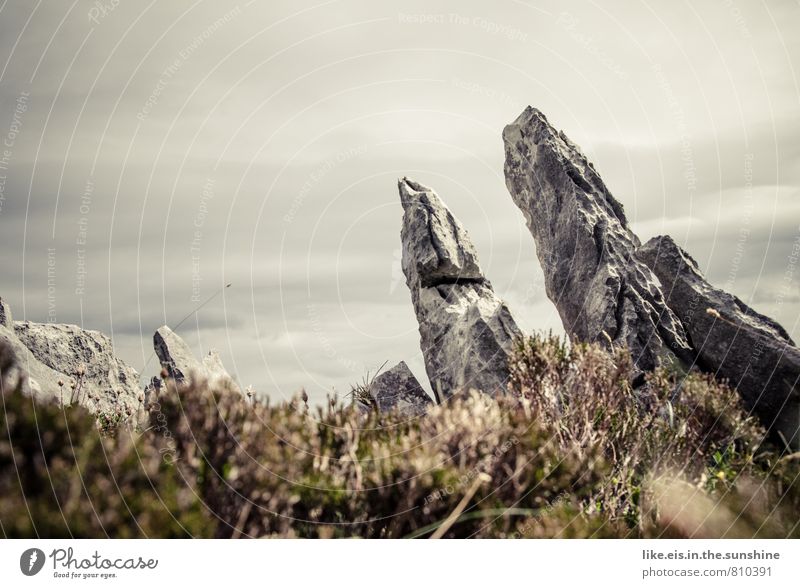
[(572, 451)]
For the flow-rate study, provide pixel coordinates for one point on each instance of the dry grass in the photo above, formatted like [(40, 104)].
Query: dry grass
[(574, 451)]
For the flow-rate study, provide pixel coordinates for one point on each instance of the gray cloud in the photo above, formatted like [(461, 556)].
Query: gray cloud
[(301, 118)]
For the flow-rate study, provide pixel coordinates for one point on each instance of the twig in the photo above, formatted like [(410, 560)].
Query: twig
[(453, 517)]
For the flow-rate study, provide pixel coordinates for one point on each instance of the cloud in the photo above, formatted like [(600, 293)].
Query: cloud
[(302, 118)]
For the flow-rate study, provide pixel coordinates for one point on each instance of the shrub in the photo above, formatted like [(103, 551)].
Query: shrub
[(572, 451), (677, 431)]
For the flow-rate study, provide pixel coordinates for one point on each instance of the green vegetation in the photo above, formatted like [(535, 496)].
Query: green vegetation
[(572, 451)]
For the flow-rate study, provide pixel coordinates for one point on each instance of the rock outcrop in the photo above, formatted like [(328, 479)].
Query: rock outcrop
[(602, 292), (178, 360), (6, 320), (71, 364), (28, 373), (653, 299), (398, 389), (466, 331), (733, 341)]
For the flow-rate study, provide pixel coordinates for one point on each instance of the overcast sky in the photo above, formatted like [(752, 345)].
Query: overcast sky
[(168, 149)]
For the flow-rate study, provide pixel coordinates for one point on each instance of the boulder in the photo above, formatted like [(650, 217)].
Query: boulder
[(6, 320), (466, 331), (587, 250), (398, 389), (70, 364), (174, 354), (733, 341), (84, 360), (28, 373), (180, 363)]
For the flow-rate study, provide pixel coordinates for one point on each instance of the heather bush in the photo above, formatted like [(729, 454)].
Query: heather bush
[(678, 431), (572, 451), (290, 470), (62, 474)]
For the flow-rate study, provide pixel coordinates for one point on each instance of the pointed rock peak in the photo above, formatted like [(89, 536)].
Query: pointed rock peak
[(178, 359), (398, 389), (732, 340), (676, 269), (665, 249), (436, 248), (409, 188), (554, 155), (213, 362), (174, 354), (530, 113), (168, 334), (466, 331), (602, 292)]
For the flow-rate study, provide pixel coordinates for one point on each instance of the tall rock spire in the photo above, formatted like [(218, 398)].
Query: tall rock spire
[(602, 292), (466, 331)]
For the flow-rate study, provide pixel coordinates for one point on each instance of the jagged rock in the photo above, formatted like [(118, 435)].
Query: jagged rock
[(85, 359), (733, 341), (6, 320), (174, 354), (466, 331), (398, 389), (151, 391), (602, 292), (14, 353), (177, 358), (69, 364), (212, 365), (32, 376)]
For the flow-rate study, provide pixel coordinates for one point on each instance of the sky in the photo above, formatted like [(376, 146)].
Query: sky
[(155, 152)]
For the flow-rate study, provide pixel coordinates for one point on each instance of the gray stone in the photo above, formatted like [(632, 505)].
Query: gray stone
[(177, 358), (6, 320), (28, 373), (83, 360), (174, 354), (466, 331), (733, 341), (68, 364), (398, 389), (587, 250)]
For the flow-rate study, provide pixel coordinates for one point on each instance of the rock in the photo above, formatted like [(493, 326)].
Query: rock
[(733, 341), (602, 292), (9, 374), (466, 331), (151, 391), (212, 366), (28, 373), (14, 353), (177, 358), (68, 364), (81, 358), (174, 354), (6, 320), (398, 389)]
